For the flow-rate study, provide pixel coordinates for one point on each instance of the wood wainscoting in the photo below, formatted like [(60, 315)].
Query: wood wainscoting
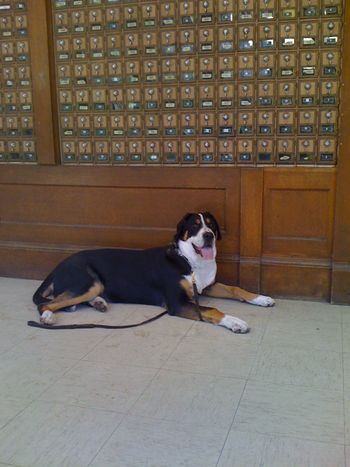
[(277, 223)]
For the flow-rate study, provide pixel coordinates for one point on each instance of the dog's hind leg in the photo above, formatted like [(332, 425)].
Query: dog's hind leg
[(68, 299), (99, 304)]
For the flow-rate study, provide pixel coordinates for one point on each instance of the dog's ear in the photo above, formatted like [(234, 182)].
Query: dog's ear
[(215, 223), (181, 227)]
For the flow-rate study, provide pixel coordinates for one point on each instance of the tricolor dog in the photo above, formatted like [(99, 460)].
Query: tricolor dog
[(158, 276)]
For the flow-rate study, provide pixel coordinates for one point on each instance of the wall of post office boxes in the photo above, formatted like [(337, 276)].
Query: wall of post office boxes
[(17, 139), (197, 82)]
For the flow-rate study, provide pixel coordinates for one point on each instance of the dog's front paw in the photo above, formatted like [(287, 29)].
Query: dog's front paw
[(262, 300), (235, 324), (48, 317)]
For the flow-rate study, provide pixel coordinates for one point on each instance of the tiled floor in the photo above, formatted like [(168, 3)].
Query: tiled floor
[(175, 392)]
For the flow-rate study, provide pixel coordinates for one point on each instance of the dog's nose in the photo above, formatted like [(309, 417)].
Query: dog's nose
[(208, 235)]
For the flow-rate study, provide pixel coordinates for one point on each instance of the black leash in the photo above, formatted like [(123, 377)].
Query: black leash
[(35, 324), (196, 299)]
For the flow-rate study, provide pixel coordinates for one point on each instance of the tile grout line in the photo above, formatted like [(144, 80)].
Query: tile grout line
[(106, 441), (76, 362), (157, 372), (230, 427), (243, 391), (128, 412)]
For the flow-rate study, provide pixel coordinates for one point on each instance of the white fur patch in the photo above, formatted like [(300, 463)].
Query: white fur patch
[(48, 317), (235, 324), (99, 304), (262, 300)]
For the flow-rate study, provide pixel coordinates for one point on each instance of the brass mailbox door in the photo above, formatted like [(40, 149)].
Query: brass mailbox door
[(270, 60)]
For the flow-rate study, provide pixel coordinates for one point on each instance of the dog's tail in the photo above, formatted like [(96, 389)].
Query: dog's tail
[(44, 291)]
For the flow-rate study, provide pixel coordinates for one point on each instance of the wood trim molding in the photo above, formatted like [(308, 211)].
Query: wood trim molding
[(251, 228), (340, 290), (42, 101)]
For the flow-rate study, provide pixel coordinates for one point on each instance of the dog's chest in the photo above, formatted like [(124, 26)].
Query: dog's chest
[(204, 276)]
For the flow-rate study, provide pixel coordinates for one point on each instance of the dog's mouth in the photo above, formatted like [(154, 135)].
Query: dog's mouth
[(206, 252)]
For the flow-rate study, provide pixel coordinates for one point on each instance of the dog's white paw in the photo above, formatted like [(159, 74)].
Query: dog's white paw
[(262, 300), (235, 324), (99, 304), (48, 317)]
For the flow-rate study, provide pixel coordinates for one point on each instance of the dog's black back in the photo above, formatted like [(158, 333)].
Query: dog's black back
[(149, 277)]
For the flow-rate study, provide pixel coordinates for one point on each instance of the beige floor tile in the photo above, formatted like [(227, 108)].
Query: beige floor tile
[(346, 362), (140, 442), (10, 408), (61, 343), (303, 311), (167, 325), (254, 450), (306, 413), (139, 346), (56, 435), (12, 331), (299, 366), (233, 358), (347, 417), (347, 455), (191, 399), (293, 330), (101, 385), (345, 310), (346, 329), (16, 298), (164, 395), (27, 376)]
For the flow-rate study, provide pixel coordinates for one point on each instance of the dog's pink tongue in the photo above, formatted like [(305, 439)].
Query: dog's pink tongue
[(207, 253)]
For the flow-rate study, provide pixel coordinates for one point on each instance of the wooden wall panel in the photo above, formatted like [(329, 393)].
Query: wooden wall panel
[(307, 280), (298, 224), (42, 96), (57, 210), (277, 223), (298, 213), (101, 215)]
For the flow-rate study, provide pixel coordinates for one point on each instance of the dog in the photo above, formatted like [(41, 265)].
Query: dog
[(166, 276)]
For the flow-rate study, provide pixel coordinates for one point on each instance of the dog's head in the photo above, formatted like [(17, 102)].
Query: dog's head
[(196, 236)]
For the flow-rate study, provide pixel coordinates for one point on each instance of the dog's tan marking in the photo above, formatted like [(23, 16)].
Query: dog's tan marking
[(48, 291), (187, 287), (212, 315), (185, 237), (219, 290), (209, 314), (65, 299)]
